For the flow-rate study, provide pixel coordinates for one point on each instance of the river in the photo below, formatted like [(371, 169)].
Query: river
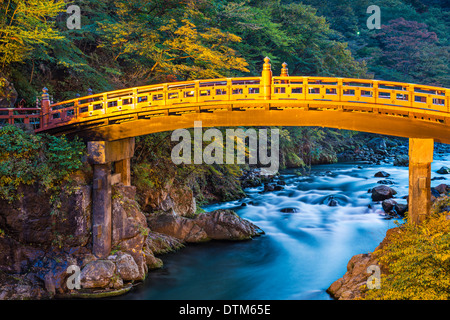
[(301, 253)]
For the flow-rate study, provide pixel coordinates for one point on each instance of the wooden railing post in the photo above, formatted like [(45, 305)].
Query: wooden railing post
[(45, 107), (447, 99)]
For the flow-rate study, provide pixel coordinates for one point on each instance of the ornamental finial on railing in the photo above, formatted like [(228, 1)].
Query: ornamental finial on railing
[(284, 70), (45, 95), (266, 79), (267, 65)]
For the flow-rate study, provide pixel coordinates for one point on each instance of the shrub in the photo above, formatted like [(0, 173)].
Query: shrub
[(418, 260), (26, 158)]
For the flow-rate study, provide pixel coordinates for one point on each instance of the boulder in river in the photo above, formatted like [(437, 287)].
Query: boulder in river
[(443, 188), (217, 225), (435, 193), (380, 193), (382, 174), (183, 229), (226, 225), (391, 206), (385, 182), (401, 160), (444, 170), (289, 210), (332, 202)]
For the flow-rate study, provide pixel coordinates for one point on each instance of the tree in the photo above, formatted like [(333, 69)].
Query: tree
[(410, 52), (26, 29), (288, 32), (179, 43)]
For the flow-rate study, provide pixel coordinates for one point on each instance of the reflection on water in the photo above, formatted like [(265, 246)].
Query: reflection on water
[(301, 253)]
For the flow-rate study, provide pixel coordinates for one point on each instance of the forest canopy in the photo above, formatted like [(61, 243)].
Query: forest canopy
[(130, 43)]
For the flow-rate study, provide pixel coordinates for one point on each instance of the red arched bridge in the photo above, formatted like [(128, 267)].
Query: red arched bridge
[(111, 120)]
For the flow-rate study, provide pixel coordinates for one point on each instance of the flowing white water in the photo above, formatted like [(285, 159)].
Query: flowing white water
[(301, 253)]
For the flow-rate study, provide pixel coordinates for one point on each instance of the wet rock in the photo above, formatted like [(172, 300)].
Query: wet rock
[(443, 170), (160, 243), (435, 193), (290, 210), (443, 188), (28, 220), (382, 174), (385, 182), (380, 193), (21, 287), (97, 274), (171, 196), (226, 225), (126, 267), (184, 229), (151, 261), (127, 219), (332, 202), (16, 257), (402, 209), (378, 145), (349, 286), (401, 161), (391, 207)]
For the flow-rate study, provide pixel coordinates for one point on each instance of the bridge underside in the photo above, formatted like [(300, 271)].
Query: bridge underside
[(401, 125)]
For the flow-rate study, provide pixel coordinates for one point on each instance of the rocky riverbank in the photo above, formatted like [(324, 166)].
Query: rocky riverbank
[(40, 239), (37, 248), (353, 284)]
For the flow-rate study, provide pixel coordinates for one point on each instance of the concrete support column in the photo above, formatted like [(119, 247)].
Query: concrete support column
[(124, 168), (101, 210), (420, 159), (101, 155)]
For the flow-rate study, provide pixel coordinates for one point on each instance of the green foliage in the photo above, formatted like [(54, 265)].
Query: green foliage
[(27, 29), (288, 31), (418, 260), (26, 159)]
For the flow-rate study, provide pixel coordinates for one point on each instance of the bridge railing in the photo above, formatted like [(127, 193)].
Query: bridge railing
[(357, 93), (361, 91), (156, 96), (20, 115)]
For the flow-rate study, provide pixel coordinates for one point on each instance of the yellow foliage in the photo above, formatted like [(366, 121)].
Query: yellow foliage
[(418, 260)]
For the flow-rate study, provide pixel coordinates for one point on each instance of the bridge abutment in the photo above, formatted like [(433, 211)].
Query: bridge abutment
[(102, 154), (420, 159)]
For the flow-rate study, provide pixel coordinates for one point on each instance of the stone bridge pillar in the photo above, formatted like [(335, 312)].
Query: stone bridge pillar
[(101, 155), (420, 159)]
